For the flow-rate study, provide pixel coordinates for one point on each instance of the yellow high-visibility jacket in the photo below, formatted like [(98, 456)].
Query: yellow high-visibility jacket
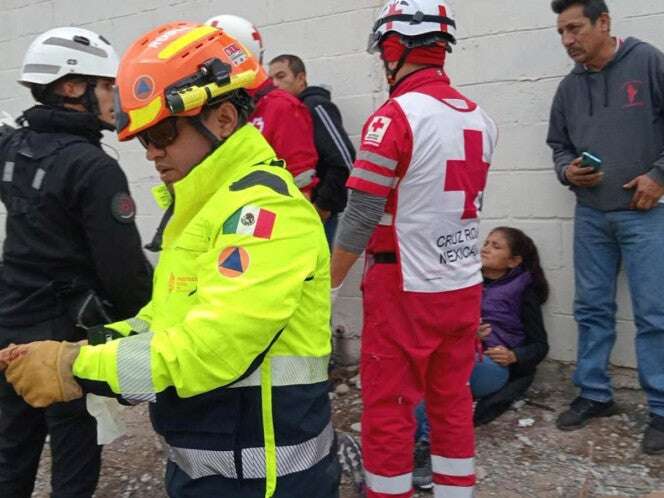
[(233, 347)]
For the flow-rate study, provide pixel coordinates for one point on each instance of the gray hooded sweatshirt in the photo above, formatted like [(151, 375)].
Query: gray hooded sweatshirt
[(616, 114)]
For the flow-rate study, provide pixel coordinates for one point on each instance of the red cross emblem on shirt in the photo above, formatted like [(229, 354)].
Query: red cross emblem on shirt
[(470, 174), (379, 124), (392, 11)]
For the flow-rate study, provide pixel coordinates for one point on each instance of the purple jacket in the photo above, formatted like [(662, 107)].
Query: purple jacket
[(501, 307)]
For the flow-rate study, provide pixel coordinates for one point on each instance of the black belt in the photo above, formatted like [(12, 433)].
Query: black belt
[(384, 257)]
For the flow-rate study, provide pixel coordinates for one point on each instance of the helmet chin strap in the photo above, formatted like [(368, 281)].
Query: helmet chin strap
[(392, 73), (214, 140), (91, 103)]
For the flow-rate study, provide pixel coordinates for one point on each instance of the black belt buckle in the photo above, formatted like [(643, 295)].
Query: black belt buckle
[(385, 258)]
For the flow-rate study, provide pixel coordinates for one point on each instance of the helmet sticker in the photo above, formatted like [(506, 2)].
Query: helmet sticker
[(123, 207), (144, 87), (236, 54)]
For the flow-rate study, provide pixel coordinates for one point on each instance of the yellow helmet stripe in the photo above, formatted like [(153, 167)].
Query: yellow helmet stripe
[(139, 118), (185, 40)]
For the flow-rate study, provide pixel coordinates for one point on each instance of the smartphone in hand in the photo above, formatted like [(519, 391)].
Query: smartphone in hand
[(591, 160)]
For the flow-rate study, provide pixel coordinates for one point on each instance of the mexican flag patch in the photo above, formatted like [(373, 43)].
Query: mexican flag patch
[(251, 220)]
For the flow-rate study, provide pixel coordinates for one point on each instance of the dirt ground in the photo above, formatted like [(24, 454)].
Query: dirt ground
[(521, 454)]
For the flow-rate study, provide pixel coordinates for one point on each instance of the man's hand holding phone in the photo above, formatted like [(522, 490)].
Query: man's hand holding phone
[(584, 171)]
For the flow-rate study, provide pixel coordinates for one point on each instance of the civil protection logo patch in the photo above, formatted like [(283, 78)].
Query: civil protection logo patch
[(143, 88), (233, 262)]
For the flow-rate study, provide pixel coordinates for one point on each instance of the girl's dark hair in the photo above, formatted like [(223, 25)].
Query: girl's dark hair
[(522, 245)]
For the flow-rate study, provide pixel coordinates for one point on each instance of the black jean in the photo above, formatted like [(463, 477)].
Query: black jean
[(76, 457)]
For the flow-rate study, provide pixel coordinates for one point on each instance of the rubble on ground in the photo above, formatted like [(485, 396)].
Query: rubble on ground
[(521, 454)]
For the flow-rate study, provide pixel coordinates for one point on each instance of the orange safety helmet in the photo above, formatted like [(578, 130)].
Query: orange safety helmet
[(176, 70)]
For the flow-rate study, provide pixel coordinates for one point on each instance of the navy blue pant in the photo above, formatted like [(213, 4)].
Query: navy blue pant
[(320, 481), (76, 457)]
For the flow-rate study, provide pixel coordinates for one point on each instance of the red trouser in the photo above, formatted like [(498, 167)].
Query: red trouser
[(414, 346)]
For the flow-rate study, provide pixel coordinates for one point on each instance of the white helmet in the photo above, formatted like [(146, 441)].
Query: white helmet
[(242, 30), (413, 20), (63, 51)]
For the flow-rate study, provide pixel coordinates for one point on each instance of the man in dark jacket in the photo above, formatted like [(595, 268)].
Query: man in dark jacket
[(72, 255), (610, 106), (335, 150)]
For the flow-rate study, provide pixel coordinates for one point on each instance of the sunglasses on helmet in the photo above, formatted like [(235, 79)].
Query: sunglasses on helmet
[(160, 135)]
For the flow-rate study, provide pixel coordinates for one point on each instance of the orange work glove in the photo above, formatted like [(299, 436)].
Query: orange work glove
[(42, 375)]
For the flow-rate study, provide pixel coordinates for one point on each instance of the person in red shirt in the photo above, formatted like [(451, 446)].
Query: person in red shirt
[(282, 119), (416, 191)]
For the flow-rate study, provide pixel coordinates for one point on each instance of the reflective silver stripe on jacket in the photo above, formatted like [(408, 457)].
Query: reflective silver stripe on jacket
[(296, 458), (8, 172), (370, 176), (395, 485), (378, 160), (304, 179), (38, 179), (135, 368), (290, 371), (138, 325)]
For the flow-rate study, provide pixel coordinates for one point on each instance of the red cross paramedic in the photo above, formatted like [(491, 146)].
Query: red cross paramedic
[(415, 199)]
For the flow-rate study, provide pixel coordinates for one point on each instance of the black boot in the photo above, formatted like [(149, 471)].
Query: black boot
[(653, 439), (422, 474), (581, 411)]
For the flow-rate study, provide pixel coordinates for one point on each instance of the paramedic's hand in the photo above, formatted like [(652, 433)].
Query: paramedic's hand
[(582, 176), (484, 331), (647, 192), (501, 355), (42, 375)]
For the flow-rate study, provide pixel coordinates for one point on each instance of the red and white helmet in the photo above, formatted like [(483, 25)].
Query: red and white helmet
[(242, 30), (420, 22)]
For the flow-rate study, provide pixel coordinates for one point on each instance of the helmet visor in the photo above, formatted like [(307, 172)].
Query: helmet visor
[(374, 42)]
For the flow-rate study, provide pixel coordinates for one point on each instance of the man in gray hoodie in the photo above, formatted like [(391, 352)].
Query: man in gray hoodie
[(612, 106)]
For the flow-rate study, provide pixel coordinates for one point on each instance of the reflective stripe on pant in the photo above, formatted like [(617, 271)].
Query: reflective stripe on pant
[(290, 459), (319, 481), (417, 345)]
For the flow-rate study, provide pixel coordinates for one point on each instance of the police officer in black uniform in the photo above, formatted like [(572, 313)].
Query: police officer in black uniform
[(72, 256)]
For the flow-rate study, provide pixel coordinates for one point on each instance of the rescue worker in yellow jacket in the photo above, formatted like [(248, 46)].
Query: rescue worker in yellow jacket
[(232, 350)]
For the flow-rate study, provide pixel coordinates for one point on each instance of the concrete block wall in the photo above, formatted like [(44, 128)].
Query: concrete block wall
[(508, 58)]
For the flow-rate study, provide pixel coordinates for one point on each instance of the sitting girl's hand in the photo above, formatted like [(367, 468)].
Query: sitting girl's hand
[(501, 355), (484, 331)]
